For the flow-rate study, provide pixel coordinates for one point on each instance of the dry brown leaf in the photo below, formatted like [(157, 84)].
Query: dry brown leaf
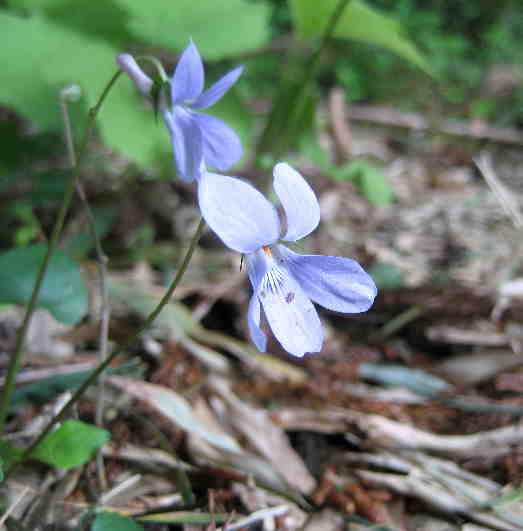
[(265, 436), (177, 410), (247, 464), (387, 433), (326, 520), (470, 369)]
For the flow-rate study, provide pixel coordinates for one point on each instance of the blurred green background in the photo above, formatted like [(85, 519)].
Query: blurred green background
[(455, 59)]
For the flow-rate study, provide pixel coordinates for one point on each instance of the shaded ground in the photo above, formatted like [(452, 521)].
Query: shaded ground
[(410, 416)]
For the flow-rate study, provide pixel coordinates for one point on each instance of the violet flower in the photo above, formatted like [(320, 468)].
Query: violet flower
[(197, 139), (284, 282)]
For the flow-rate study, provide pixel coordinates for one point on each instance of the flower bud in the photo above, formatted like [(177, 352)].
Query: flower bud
[(127, 64), (71, 93)]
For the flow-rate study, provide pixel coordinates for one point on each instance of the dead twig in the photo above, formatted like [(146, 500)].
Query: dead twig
[(12, 507), (441, 484), (340, 124), (262, 514), (387, 433), (506, 199), (411, 120), (34, 375)]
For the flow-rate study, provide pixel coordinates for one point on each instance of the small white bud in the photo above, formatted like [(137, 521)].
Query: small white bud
[(127, 64), (71, 93)]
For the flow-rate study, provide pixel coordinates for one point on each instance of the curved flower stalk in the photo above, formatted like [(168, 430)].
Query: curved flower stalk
[(142, 81), (197, 139), (285, 283)]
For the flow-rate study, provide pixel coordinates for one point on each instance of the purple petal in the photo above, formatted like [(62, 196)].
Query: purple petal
[(253, 318), (302, 210), (218, 89), (187, 80), (290, 313), (339, 284), (221, 145), (186, 139), (237, 212)]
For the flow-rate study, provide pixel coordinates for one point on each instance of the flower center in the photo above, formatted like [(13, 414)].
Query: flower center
[(267, 251)]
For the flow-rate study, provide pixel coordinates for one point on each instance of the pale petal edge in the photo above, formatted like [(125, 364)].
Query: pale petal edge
[(238, 213), (253, 319), (302, 210)]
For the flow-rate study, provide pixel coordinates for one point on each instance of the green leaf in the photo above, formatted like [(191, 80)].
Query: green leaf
[(310, 147), (372, 181), (220, 29), (43, 57), (185, 517), (387, 275), (48, 186), (63, 291), (9, 453), (29, 226), (375, 186), (71, 445), (104, 20), (348, 171), (47, 388), (109, 521), (416, 380), (358, 22), (292, 116)]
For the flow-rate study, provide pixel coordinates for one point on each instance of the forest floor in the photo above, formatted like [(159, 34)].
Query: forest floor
[(409, 418)]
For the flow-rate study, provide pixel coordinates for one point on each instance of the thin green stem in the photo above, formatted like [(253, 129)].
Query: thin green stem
[(118, 350), (102, 261), (68, 131), (300, 97), (16, 359), (312, 65), (311, 69)]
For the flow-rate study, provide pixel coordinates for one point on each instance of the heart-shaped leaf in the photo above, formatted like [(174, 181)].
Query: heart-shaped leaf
[(63, 290), (72, 444)]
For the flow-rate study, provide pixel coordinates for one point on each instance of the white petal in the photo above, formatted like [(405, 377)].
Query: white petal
[(302, 209), (289, 312), (237, 212)]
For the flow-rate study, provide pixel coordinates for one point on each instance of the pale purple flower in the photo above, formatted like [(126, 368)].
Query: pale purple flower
[(198, 140), (284, 282)]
